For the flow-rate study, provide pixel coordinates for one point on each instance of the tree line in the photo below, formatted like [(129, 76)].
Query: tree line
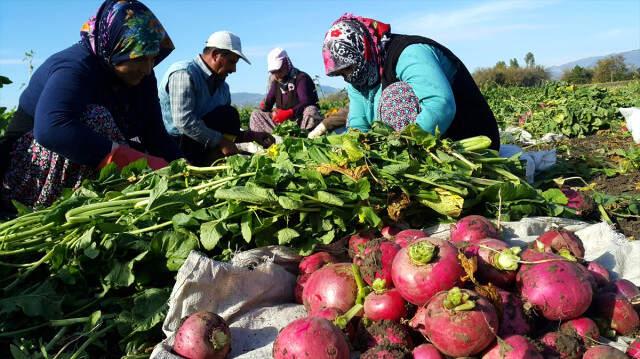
[(609, 69)]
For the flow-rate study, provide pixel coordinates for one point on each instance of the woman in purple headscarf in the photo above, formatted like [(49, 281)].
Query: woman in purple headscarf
[(402, 79), (89, 105)]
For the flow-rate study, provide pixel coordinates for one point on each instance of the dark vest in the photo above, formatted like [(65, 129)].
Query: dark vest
[(473, 115), (289, 92)]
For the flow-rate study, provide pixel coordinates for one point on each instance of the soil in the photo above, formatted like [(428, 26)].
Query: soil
[(579, 156)]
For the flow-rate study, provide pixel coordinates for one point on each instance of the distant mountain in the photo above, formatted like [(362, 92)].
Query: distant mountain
[(243, 99), (631, 58)]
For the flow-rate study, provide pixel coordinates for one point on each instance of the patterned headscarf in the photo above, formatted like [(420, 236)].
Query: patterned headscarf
[(124, 30), (358, 42)]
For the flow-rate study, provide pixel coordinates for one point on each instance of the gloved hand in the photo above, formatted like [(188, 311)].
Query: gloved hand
[(337, 119), (262, 138), (124, 155), (279, 116)]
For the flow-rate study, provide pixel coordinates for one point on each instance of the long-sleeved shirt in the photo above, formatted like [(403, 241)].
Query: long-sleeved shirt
[(429, 73), (66, 83), (184, 96), (305, 90)]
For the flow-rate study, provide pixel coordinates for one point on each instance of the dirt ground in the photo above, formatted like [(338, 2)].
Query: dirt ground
[(583, 156)]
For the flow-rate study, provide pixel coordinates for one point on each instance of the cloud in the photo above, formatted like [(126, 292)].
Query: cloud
[(471, 22), (263, 50)]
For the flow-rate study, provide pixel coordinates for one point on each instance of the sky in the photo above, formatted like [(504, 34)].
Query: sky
[(480, 33)]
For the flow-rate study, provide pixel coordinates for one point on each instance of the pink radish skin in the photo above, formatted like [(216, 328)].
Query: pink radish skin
[(331, 314), (310, 337), (300, 282), (357, 242), (558, 289), (561, 345), (583, 327), (603, 352), (389, 232), (487, 272), (203, 335), (578, 201), (404, 238), (376, 260), (633, 350), (421, 278), (514, 321), (473, 228), (426, 351), (332, 286), (315, 261), (617, 312), (626, 288), (384, 332), (513, 347), (388, 305), (600, 273), (559, 241), (459, 332)]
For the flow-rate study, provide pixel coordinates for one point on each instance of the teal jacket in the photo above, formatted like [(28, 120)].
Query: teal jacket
[(429, 73)]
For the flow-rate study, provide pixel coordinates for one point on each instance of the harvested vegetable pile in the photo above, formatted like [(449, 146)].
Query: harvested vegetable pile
[(92, 273)]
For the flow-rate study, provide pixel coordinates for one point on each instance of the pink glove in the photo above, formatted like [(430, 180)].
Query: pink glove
[(123, 155), (279, 116)]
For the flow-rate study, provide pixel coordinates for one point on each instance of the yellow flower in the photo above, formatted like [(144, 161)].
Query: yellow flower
[(273, 151)]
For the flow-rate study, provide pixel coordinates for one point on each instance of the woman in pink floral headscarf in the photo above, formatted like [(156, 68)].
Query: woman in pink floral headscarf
[(402, 79)]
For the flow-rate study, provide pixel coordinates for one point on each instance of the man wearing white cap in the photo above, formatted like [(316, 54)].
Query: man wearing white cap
[(196, 102), (293, 94)]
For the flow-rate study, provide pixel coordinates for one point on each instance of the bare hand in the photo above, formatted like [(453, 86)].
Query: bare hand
[(228, 148)]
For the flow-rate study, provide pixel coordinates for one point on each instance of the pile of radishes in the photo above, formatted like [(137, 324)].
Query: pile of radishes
[(404, 295)]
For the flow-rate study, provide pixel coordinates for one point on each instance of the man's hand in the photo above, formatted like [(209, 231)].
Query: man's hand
[(279, 116), (337, 119), (227, 147), (262, 138)]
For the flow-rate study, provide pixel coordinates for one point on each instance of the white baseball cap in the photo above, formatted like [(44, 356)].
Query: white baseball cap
[(226, 40), (275, 59)]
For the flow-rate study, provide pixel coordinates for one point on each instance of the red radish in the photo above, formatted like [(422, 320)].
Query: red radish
[(331, 314), (473, 228), (555, 286), (357, 241), (583, 327), (617, 312), (389, 232), (404, 238), (561, 345), (315, 261), (458, 322), (497, 263), (633, 350), (562, 242), (203, 335), (578, 201), (513, 319), (332, 286), (386, 352), (513, 347), (384, 332), (426, 351), (600, 273), (376, 260), (300, 282), (387, 305), (310, 337), (424, 268), (625, 288), (603, 352)]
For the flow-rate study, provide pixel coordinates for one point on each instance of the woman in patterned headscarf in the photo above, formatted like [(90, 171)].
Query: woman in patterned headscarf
[(90, 105), (401, 79)]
